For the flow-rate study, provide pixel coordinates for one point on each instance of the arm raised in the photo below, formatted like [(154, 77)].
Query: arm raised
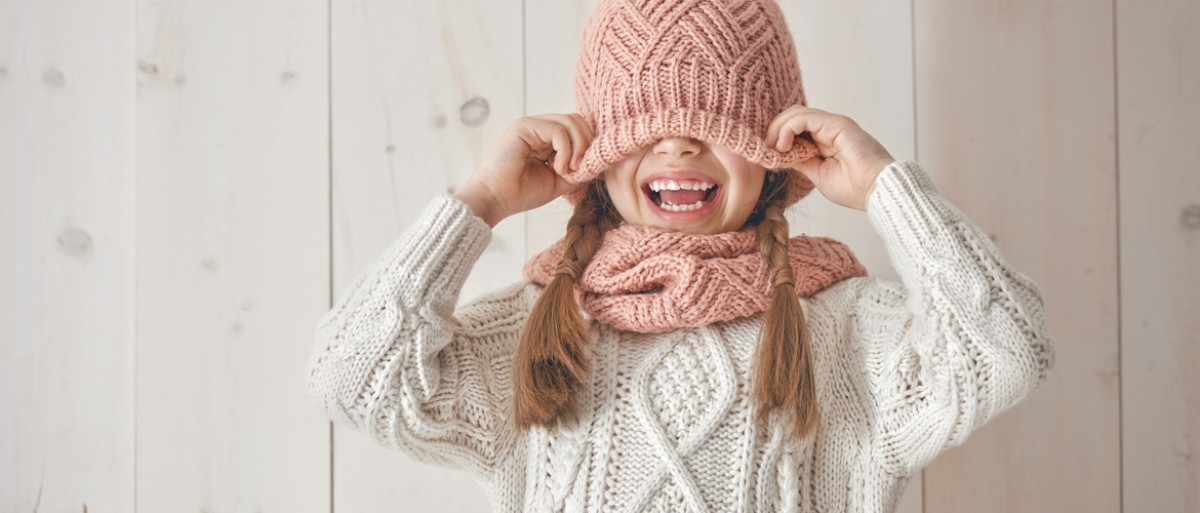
[(962, 339), (393, 358)]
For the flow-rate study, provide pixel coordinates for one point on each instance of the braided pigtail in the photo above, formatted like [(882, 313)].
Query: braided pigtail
[(782, 372), (552, 357)]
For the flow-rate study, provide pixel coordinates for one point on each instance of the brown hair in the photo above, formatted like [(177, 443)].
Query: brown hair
[(782, 375), (551, 362)]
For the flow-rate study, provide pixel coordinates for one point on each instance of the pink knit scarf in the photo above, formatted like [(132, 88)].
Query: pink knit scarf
[(652, 280)]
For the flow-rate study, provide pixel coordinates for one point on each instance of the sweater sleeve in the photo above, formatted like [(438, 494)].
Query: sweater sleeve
[(961, 340), (393, 358)]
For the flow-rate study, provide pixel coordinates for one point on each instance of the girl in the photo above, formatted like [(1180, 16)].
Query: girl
[(677, 351)]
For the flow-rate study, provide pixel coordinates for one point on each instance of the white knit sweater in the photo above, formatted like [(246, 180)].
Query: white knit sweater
[(903, 372)]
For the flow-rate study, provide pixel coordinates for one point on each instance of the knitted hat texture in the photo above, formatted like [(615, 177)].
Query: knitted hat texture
[(714, 70)]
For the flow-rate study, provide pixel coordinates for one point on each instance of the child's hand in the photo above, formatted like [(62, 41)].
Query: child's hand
[(514, 176), (850, 158)]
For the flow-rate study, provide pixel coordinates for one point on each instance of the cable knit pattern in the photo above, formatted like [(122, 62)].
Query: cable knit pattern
[(653, 280), (904, 370), (715, 70)]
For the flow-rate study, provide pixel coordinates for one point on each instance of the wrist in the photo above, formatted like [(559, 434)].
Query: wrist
[(880, 165), (481, 201)]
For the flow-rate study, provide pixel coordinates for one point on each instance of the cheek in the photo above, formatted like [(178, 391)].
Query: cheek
[(743, 198), (744, 202), (624, 196), (745, 178)]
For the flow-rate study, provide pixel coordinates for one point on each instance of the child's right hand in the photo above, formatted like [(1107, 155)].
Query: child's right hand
[(514, 177)]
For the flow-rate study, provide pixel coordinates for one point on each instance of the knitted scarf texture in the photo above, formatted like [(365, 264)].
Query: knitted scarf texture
[(652, 280)]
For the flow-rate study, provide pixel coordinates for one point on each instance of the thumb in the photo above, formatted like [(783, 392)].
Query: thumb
[(810, 168), (561, 186)]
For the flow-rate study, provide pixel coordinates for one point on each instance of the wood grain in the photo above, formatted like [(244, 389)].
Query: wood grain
[(185, 186), (66, 256), (232, 254), (421, 90), (1015, 120), (1158, 56)]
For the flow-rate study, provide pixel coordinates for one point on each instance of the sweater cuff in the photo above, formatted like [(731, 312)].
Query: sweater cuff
[(439, 250), (907, 210)]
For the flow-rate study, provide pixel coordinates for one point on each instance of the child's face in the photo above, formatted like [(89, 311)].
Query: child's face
[(724, 184)]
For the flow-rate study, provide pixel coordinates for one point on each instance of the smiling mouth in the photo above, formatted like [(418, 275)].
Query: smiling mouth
[(681, 195)]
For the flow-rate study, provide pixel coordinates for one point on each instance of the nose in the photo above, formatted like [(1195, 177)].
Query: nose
[(677, 146)]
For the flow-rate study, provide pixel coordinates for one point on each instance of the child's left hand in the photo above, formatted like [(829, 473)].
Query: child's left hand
[(850, 158)]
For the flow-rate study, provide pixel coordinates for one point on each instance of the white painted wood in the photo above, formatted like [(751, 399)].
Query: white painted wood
[(164, 145), (1158, 65), (66, 256), (867, 78), (232, 254), (1015, 121), (421, 90)]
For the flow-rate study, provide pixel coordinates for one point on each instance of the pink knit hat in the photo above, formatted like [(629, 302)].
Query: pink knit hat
[(715, 70)]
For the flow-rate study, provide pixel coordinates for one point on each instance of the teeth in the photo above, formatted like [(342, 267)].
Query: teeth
[(687, 185), (682, 208)]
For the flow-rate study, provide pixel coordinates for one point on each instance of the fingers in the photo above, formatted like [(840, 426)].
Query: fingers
[(786, 137), (569, 136), (581, 138), (773, 128), (810, 169), (823, 126), (561, 142)]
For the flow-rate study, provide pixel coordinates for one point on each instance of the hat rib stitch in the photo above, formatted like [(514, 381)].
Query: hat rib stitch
[(714, 70)]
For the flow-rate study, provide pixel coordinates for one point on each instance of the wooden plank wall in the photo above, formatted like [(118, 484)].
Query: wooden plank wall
[(1158, 91), (67, 259), (185, 186), (420, 91), (1015, 117), (232, 253)]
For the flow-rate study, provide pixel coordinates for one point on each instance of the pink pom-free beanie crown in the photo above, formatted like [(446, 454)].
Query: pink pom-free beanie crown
[(714, 70)]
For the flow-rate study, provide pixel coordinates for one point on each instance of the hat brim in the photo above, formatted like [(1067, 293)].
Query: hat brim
[(635, 133)]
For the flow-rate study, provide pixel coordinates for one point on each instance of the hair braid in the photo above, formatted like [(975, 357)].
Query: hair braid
[(552, 361), (783, 376)]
